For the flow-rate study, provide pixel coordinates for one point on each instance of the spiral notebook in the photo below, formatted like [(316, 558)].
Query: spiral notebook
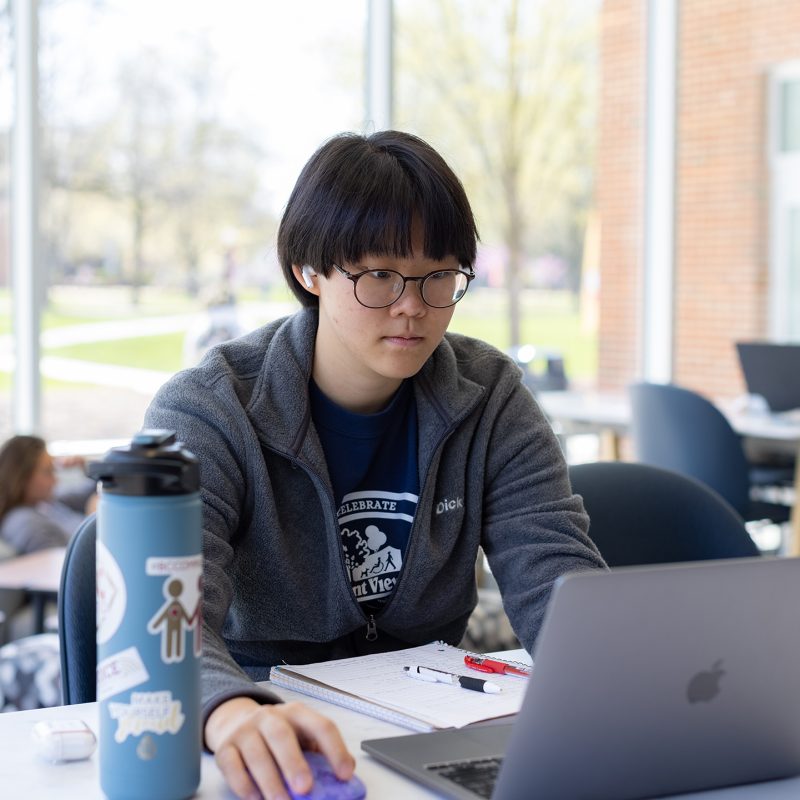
[(378, 686)]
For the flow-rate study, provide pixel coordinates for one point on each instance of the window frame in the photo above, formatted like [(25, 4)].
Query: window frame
[(784, 197)]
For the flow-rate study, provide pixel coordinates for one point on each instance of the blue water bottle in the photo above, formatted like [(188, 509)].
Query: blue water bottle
[(149, 593)]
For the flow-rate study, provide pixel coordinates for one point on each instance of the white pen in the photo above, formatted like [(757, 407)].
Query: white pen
[(432, 675)]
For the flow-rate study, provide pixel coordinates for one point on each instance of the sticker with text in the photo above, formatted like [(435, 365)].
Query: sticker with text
[(119, 672), (181, 612), (148, 712)]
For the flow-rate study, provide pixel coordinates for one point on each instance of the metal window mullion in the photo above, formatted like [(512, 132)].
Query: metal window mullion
[(784, 177), (25, 266), (659, 202), (379, 83)]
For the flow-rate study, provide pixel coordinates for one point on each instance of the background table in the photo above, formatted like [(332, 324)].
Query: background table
[(609, 415), (38, 574)]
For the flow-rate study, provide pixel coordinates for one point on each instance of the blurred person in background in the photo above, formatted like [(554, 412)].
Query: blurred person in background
[(220, 324), (34, 512)]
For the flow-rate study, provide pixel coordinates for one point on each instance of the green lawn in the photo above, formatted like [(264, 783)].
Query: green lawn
[(162, 352), (47, 383), (77, 305), (549, 320)]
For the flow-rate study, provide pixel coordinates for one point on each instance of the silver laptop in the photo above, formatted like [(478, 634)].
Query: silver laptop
[(647, 681), (772, 371)]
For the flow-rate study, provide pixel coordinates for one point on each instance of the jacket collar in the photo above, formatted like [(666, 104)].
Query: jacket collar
[(279, 407)]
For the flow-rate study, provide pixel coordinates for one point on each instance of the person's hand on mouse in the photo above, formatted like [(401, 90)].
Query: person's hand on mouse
[(254, 744)]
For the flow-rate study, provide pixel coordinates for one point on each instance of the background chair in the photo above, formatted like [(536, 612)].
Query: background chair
[(679, 430), (645, 515), (29, 673), (11, 600), (76, 617)]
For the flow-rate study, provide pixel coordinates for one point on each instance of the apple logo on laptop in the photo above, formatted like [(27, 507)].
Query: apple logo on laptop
[(704, 686)]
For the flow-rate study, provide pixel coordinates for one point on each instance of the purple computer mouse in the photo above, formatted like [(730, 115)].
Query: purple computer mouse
[(326, 785)]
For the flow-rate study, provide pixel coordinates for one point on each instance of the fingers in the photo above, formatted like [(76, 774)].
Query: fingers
[(247, 762), (236, 775), (266, 743), (319, 733), (250, 768), (282, 749)]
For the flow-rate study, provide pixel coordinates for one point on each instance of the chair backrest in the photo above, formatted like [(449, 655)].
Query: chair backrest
[(77, 627), (679, 430), (645, 515)]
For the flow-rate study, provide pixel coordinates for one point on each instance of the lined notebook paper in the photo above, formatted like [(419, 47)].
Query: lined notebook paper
[(377, 685)]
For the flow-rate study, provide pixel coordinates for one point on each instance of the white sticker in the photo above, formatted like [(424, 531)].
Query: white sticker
[(181, 611), (111, 594), (120, 672), (147, 749), (148, 712)]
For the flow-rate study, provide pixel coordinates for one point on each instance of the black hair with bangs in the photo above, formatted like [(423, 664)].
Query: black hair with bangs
[(358, 195)]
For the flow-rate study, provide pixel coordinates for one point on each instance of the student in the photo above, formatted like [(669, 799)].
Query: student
[(34, 514), (353, 457)]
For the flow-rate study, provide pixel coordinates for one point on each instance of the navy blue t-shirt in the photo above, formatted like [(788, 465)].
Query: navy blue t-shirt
[(372, 462)]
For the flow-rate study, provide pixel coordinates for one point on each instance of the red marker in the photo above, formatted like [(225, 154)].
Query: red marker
[(498, 667)]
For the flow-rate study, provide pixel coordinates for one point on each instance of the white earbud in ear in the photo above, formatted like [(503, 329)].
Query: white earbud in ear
[(307, 272)]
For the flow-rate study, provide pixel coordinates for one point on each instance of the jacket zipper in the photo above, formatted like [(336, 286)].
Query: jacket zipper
[(372, 625), (437, 450)]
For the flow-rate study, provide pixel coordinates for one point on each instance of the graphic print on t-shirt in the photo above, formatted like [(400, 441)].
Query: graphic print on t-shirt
[(374, 526)]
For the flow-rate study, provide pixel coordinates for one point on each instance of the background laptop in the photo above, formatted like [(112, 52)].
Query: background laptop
[(646, 681), (773, 371)]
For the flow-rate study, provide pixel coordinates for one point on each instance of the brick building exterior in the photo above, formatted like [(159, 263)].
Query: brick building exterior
[(725, 51)]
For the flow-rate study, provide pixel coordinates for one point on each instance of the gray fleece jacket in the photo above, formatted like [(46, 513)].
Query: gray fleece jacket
[(276, 589)]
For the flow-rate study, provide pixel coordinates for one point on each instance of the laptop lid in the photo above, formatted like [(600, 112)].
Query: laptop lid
[(772, 371), (647, 681)]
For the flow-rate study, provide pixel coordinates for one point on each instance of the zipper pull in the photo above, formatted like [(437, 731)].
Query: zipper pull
[(372, 629)]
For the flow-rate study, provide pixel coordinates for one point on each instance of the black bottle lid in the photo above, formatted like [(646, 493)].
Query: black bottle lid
[(154, 463)]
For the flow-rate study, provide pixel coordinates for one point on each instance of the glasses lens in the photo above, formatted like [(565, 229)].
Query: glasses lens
[(445, 288), (377, 288)]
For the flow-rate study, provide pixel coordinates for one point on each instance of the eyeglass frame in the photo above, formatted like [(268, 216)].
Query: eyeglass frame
[(420, 280)]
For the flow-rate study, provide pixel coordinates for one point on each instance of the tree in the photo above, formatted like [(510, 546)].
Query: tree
[(168, 177), (505, 89), (211, 182)]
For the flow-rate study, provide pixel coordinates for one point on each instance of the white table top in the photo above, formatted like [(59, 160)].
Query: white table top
[(35, 572), (613, 410), (24, 776)]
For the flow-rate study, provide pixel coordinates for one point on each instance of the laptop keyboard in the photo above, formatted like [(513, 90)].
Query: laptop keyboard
[(476, 775)]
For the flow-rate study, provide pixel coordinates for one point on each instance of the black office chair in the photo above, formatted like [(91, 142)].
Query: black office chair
[(677, 429), (77, 627), (645, 515)]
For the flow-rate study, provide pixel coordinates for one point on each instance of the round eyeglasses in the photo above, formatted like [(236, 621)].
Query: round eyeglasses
[(379, 288)]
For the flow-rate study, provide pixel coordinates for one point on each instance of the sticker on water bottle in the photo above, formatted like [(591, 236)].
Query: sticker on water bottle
[(110, 593), (181, 612), (120, 672), (148, 712)]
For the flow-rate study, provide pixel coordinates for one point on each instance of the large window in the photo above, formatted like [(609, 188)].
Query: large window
[(171, 136), (506, 90), (785, 202), (172, 133)]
